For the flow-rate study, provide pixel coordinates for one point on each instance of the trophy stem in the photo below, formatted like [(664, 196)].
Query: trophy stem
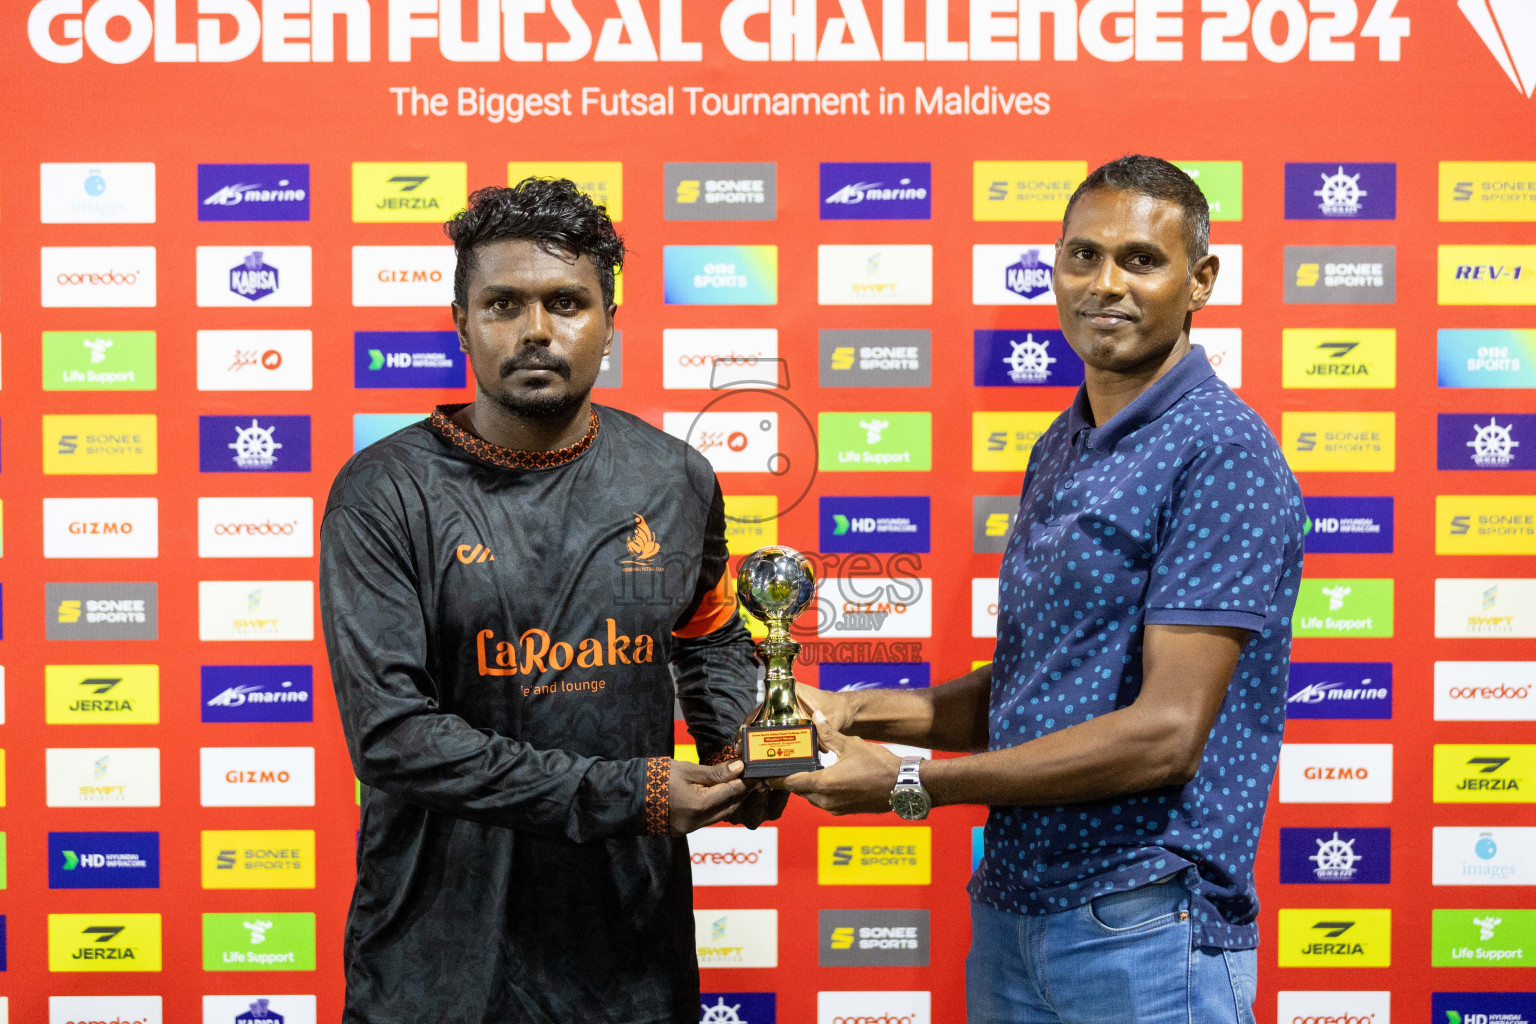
[(780, 707)]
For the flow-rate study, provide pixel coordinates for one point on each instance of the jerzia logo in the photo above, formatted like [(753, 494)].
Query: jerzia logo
[(1510, 35)]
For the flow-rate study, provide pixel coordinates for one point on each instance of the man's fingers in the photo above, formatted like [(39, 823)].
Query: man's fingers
[(830, 738), (719, 773), (725, 794), (803, 783)]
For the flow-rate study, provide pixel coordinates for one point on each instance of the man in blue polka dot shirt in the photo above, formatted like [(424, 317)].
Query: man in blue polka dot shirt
[(1127, 730)]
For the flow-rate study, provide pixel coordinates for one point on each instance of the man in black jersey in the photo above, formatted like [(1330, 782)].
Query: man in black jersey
[(503, 588)]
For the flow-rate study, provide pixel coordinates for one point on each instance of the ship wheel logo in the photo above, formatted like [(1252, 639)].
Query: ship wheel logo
[(721, 1014), (1335, 858), (1029, 362), (254, 446), (1340, 194), (1493, 445)]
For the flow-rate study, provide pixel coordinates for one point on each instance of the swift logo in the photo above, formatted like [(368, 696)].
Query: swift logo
[(1510, 36), (471, 554)]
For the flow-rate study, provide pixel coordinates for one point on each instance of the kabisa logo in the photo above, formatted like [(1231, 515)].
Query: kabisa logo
[(873, 938), (1013, 275), (103, 860), (258, 693), (97, 193), (1487, 358), (1333, 690), (253, 278), (1485, 524), (1030, 277), (260, 1012), (249, 1009), (1495, 855), (874, 855), (1339, 357), (886, 675), (1341, 274), (1026, 358), (1485, 691), (1483, 1007), (103, 942), (1492, 773), (874, 524), (408, 359), (404, 193), (101, 694), (1482, 441), (875, 358), (1347, 525), (859, 191), (246, 276), (738, 1008), (1333, 856), (1510, 36), (1487, 275), (1336, 191), (733, 191), (1483, 938), (533, 650), (101, 611), (261, 444), (720, 275), (264, 859), (1351, 937), (252, 192)]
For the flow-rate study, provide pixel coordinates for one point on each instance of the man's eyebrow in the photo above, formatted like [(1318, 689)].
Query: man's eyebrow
[(497, 291), (1133, 245)]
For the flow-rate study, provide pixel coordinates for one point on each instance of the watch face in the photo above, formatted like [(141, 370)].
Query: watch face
[(909, 803)]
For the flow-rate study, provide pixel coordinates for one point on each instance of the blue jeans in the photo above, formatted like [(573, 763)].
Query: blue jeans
[(1125, 958)]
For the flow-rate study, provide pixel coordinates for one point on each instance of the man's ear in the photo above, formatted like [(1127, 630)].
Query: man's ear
[(1203, 273), (608, 340), (460, 317)]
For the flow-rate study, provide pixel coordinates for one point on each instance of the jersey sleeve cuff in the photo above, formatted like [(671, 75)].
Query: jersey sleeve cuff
[(658, 806), (1251, 621), (723, 755)]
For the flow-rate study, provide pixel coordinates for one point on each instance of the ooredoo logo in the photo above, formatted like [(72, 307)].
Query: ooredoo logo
[(106, 276), (1334, 1008), (726, 855), (715, 359), (255, 527), (1485, 691), (874, 1007)]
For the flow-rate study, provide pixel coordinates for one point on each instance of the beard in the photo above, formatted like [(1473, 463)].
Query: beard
[(545, 403)]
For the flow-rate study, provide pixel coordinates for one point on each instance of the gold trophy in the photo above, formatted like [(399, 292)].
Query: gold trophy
[(775, 584)]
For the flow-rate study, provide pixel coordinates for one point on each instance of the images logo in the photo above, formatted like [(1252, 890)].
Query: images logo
[(258, 693), (873, 938), (1485, 774), (875, 855), (602, 180), (99, 275), (1485, 691), (1336, 773), (737, 938), (101, 527), (1365, 274), (1339, 358), (258, 942), (1483, 938), (243, 276), (97, 193), (1345, 442), (1024, 189), (101, 694), (1333, 690), (98, 360), (258, 860), (256, 609), (992, 518), (1012, 275), (244, 444), (1360, 856), (1350, 937), (893, 675), (1485, 607), (252, 192), (1485, 524), (874, 275), (402, 275), (1026, 358), (1487, 191), (101, 611), (895, 191), (875, 441), (1486, 275), (1349, 525), (257, 776), (254, 360), (1352, 607), (1510, 36), (407, 359), (104, 942), (1340, 191), (103, 860), (875, 359), (1003, 440), (734, 191), (407, 193), (1222, 183), (1484, 856), (874, 524), (720, 275), (735, 856)]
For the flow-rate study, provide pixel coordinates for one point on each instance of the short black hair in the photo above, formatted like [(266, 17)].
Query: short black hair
[(550, 212), (1155, 177)]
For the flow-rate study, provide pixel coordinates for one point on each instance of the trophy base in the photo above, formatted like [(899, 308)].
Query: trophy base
[(771, 751)]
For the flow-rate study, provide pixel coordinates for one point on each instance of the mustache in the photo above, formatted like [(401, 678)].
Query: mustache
[(538, 359)]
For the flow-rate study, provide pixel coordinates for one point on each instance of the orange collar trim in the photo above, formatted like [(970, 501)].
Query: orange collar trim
[(507, 458)]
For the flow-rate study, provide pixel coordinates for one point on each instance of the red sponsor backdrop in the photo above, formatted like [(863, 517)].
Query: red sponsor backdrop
[(1445, 99)]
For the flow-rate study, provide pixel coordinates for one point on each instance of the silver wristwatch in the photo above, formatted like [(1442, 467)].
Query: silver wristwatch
[(909, 799)]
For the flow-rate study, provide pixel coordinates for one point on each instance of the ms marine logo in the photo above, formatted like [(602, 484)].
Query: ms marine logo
[(643, 547)]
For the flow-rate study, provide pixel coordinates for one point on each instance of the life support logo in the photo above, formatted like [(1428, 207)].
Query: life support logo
[(99, 361), (1483, 938), (876, 855), (258, 942)]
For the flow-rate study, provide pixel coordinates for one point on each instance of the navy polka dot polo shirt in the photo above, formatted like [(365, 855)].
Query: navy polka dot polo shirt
[(1181, 510)]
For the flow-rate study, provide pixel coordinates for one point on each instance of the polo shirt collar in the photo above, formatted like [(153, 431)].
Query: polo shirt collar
[(1194, 369)]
